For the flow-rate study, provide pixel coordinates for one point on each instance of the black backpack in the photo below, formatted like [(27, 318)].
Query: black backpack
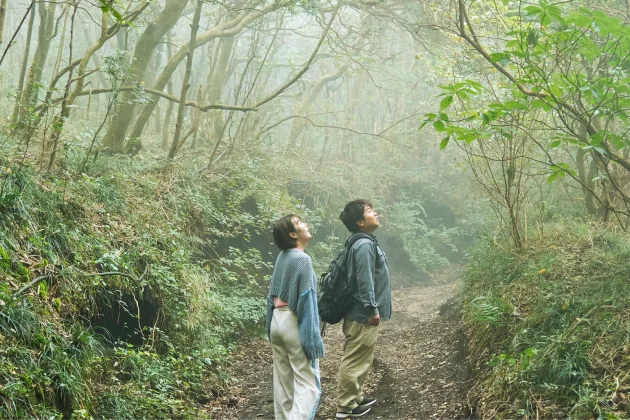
[(335, 288)]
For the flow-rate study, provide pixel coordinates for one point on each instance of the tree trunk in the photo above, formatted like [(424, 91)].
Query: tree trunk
[(27, 50), (157, 63), (186, 82), (586, 176), (153, 34), (87, 55), (58, 123), (88, 38), (3, 11), (171, 104), (44, 38), (113, 30), (298, 123), (216, 85), (226, 29)]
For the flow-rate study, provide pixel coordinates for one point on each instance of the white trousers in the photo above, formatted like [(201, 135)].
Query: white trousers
[(296, 383)]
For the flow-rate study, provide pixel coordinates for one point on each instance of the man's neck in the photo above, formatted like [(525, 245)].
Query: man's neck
[(368, 232)]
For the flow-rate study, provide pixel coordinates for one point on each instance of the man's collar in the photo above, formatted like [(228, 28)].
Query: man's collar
[(371, 235)]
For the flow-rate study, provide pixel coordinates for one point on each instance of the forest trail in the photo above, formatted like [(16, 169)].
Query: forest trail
[(419, 372)]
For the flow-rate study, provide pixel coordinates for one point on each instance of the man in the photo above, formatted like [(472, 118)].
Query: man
[(371, 305)]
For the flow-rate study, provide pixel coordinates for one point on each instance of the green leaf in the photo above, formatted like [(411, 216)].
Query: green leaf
[(532, 10), (555, 13), (555, 144), (539, 103), (429, 117), (582, 21), (107, 8), (496, 57), (529, 352), (552, 177), (532, 37), (444, 142), (520, 54), (555, 90), (512, 44), (597, 138), (472, 115), (560, 170), (545, 19), (117, 15), (446, 102), (443, 117), (475, 85), (618, 141), (438, 126), (510, 105), (485, 119)]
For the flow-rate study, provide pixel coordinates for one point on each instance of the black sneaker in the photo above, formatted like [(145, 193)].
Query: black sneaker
[(367, 402), (358, 411)]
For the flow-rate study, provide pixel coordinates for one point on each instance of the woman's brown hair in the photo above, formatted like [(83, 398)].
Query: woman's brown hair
[(281, 232)]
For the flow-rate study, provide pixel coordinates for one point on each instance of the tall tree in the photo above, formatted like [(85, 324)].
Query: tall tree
[(152, 35), (27, 50), (44, 37), (171, 104), (226, 29), (59, 121), (217, 83), (303, 108), (3, 11), (186, 82)]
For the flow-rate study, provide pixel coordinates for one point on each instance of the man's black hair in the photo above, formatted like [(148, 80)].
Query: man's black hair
[(352, 213), (281, 229)]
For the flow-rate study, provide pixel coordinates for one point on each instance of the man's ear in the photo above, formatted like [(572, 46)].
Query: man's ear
[(293, 235), (360, 223)]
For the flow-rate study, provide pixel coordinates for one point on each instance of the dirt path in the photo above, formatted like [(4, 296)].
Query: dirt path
[(419, 371)]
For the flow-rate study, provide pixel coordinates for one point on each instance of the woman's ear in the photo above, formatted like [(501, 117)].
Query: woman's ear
[(293, 235)]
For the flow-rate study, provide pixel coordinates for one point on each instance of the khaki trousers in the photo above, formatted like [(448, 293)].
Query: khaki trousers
[(358, 354), (296, 383)]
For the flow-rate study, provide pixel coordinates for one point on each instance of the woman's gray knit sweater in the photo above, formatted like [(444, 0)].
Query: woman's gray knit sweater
[(294, 281)]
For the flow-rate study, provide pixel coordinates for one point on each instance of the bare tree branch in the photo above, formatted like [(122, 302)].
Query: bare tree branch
[(308, 63)]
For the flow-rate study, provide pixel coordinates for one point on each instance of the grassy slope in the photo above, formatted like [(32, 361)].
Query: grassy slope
[(54, 357), (549, 327)]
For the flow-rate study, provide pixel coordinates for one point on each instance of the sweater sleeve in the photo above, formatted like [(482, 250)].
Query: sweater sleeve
[(269, 315), (364, 259), (308, 325)]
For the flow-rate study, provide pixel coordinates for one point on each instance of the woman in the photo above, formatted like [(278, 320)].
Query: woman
[(293, 324)]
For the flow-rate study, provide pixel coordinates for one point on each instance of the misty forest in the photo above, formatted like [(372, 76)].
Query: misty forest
[(147, 147)]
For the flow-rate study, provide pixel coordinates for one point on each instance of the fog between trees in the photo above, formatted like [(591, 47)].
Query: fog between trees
[(218, 76), (160, 139)]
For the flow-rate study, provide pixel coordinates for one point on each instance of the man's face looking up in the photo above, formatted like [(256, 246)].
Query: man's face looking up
[(370, 220)]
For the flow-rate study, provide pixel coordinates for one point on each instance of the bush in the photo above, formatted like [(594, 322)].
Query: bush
[(548, 327)]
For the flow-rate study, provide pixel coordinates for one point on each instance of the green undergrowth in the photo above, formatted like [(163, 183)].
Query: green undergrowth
[(549, 326), (147, 344), (124, 289)]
